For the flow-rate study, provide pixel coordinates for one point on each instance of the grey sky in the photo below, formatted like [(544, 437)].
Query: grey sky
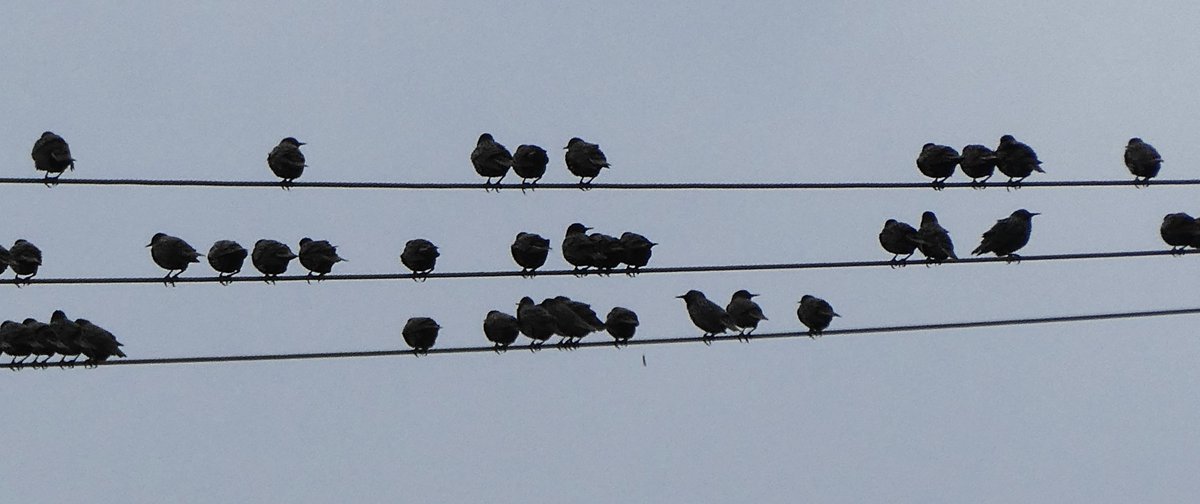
[(705, 91)]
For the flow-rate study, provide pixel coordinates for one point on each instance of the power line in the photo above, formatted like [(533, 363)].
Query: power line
[(659, 341), (566, 272)]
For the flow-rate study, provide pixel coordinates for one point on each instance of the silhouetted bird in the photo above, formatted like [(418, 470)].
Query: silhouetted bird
[(978, 162), (6, 259), (569, 324), (1143, 161), (67, 337), (816, 314), (500, 328), (578, 249), (1180, 231), (51, 154), (318, 256), (635, 251), (42, 342), (608, 251), (900, 239), (585, 160), (26, 258), (420, 256), (584, 311), (227, 258), (535, 322), (529, 250), (286, 161), (529, 162), (98, 345), (271, 258), (938, 162), (745, 312), (934, 241), (1007, 236), (16, 340), (621, 323), (171, 253), (420, 333), (1016, 160), (707, 315), (491, 159)]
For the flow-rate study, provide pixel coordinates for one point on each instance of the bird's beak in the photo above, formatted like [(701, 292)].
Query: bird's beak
[(588, 228), (754, 295), (1031, 214), (149, 244), (301, 143), (678, 297)]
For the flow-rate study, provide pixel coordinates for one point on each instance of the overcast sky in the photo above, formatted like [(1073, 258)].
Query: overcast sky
[(699, 91)]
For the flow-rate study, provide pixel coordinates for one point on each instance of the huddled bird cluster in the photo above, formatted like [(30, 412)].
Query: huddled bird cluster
[(226, 257), (493, 160), (31, 340), (1013, 158), (604, 253), (24, 258), (1004, 239)]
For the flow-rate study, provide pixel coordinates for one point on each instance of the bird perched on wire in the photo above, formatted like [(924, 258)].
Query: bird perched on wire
[(1016, 160), (271, 258), (171, 253), (979, 163), (226, 257), (420, 256), (934, 241), (621, 324), (529, 162), (816, 314), (584, 311), (420, 333), (97, 344), (67, 337), (707, 315), (25, 260), (608, 250), (51, 154), (501, 329), (286, 161), (6, 258), (529, 250), (570, 325), (745, 313), (318, 256), (491, 160), (585, 160), (16, 340), (1143, 161), (938, 162), (42, 343), (635, 251), (578, 249), (900, 239), (1180, 231), (1007, 236), (535, 322)]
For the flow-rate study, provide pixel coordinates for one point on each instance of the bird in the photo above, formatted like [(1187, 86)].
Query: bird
[(1016, 160), (1143, 161), (491, 160), (67, 337), (934, 241), (745, 313), (420, 256), (1007, 236), (568, 323), (42, 344), (227, 258), (707, 315), (51, 154), (6, 258), (26, 258), (171, 253), (420, 333), (97, 344), (938, 162), (529, 250), (535, 322), (286, 161), (578, 249), (608, 250), (16, 340), (271, 258), (1180, 231), (621, 324), (529, 162), (635, 251), (584, 311), (318, 256), (979, 163), (816, 314), (899, 238), (585, 160), (501, 328)]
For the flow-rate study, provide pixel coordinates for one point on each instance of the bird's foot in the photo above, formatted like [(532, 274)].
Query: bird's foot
[(707, 339), (938, 184), (1012, 258)]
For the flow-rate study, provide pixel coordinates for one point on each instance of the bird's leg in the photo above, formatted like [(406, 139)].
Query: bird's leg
[(51, 181), (167, 280), (707, 339), (939, 184), (1012, 258)]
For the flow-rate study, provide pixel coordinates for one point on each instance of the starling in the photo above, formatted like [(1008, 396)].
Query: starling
[(529, 162), (6, 258), (171, 253), (97, 344), (271, 258), (1007, 236), (635, 252), (42, 342), (816, 314), (707, 315), (609, 252), (578, 249), (491, 160), (530, 251), (938, 162), (584, 160), (978, 162), (535, 322), (286, 161), (227, 257), (1143, 161), (501, 329), (934, 241), (318, 256), (621, 324), (26, 258), (420, 333), (569, 324), (1016, 160), (899, 238), (1180, 231), (420, 256), (51, 154), (745, 312), (584, 311), (16, 340), (67, 337)]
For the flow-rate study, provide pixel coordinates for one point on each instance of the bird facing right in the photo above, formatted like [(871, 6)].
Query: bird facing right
[(1007, 236), (1143, 161), (286, 161), (816, 314), (578, 249), (745, 312), (1180, 231)]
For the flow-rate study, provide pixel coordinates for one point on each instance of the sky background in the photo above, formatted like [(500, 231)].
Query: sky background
[(699, 91)]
